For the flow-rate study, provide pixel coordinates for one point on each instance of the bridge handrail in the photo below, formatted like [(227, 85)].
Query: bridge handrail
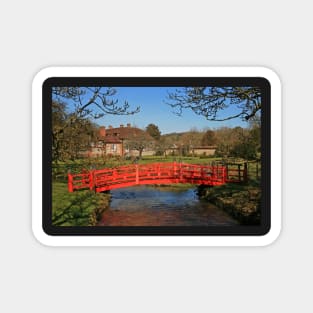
[(166, 172)]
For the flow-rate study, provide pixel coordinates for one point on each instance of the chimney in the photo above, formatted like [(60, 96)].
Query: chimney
[(110, 127), (121, 126), (102, 131), (128, 124)]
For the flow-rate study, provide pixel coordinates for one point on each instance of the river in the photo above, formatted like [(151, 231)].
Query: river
[(162, 206)]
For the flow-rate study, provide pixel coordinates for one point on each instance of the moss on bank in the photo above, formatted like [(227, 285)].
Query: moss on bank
[(241, 201)]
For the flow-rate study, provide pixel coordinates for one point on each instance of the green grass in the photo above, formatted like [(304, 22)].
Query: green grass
[(81, 208), (190, 160)]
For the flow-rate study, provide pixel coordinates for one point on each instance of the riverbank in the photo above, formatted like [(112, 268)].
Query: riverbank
[(83, 208), (241, 201), (86, 208)]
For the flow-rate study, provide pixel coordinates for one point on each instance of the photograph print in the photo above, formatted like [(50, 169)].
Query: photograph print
[(157, 158)]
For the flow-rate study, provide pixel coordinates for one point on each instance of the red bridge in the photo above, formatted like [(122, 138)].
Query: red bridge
[(156, 173)]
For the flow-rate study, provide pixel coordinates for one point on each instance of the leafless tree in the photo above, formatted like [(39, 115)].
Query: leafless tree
[(210, 102), (73, 111)]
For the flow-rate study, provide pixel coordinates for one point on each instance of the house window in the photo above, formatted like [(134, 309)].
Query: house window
[(114, 147)]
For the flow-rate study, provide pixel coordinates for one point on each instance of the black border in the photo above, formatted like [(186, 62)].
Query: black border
[(239, 230)]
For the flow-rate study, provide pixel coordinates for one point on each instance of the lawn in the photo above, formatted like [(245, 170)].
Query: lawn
[(183, 159), (78, 208)]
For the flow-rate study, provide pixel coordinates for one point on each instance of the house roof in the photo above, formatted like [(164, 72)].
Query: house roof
[(205, 147), (111, 139), (124, 133)]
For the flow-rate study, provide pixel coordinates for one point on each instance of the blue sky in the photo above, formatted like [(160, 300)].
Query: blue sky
[(153, 109)]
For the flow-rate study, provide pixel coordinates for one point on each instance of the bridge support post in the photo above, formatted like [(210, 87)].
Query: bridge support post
[(245, 172), (180, 172), (91, 180), (70, 182), (175, 174), (137, 174), (212, 173), (225, 174), (239, 173)]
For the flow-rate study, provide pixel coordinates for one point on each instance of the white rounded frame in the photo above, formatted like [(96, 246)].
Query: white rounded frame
[(111, 240)]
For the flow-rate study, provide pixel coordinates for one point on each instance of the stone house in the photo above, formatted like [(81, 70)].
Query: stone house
[(121, 141), (204, 150), (196, 151)]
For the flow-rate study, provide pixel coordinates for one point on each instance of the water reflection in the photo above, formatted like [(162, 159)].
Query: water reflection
[(162, 206)]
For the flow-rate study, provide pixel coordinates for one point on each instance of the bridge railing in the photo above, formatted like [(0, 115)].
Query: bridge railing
[(158, 173), (80, 181), (236, 172)]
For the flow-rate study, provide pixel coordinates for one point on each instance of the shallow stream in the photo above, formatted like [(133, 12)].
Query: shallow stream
[(162, 206)]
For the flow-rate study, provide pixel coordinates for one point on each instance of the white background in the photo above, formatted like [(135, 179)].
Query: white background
[(37, 34)]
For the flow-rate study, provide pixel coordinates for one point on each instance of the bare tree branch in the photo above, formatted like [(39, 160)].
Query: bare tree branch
[(211, 102)]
